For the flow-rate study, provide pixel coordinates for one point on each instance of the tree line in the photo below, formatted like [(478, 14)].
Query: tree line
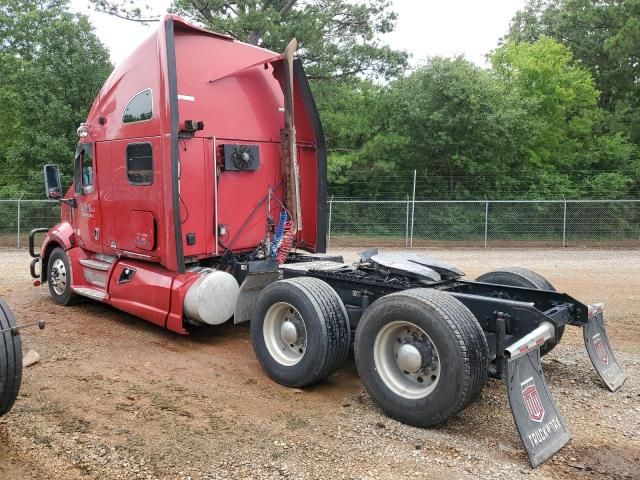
[(554, 114)]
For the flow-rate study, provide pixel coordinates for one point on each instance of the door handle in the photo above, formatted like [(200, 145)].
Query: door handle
[(96, 234)]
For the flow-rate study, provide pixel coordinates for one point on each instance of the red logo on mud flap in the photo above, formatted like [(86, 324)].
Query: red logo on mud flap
[(600, 349), (532, 400)]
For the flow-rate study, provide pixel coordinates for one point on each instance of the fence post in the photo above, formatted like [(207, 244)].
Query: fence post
[(486, 222), (406, 232), (413, 207), (329, 226), (19, 198), (564, 223)]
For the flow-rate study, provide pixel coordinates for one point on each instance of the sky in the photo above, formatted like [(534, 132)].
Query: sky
[(425, 28)]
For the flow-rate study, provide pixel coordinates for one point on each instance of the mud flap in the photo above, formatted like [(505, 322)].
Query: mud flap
[(541, 428), (600, 353), (249, 292)]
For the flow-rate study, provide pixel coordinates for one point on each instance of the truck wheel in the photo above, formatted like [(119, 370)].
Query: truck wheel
[(422, 356), (10, 360), (522, 277), (300, 331), (59, 278)]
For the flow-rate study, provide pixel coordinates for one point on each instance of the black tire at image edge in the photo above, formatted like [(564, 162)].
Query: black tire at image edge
[(10, 360)]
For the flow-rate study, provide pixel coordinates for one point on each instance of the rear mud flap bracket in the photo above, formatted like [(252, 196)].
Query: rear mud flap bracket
[(600, 352), (540, 426)]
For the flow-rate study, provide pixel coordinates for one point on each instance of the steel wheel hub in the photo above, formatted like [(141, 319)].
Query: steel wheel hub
[(406, 360), (58, 276), (289, 332), (285, 334), (409, 358)]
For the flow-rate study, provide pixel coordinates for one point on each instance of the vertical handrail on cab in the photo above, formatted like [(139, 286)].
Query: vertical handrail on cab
[(215, 192)]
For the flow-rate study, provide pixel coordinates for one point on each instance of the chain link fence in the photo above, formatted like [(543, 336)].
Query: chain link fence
[(19, 216), (424, 223), (484, 223)]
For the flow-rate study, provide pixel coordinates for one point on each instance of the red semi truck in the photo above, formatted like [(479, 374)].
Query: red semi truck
[(199, 180)]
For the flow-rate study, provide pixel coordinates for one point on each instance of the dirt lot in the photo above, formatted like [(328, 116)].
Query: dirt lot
[(115, 397)]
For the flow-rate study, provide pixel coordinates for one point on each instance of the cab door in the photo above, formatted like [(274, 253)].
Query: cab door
[(87, 218), (135, 200)]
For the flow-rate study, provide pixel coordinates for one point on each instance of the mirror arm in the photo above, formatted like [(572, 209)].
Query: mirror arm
[(68, 201)]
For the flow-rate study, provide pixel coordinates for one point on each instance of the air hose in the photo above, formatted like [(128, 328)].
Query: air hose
[(287, 241), (283, 238), (277, 236)]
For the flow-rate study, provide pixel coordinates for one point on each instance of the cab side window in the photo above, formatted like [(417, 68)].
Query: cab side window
[(139, 108), (87, 171), (140, 163), (84, 169)]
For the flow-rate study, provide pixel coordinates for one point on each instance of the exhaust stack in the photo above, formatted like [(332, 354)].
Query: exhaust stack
[(288, 145)]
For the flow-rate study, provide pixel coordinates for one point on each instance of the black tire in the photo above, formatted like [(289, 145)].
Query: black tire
[(10, 360), (460, 343), (328, 332), (522, 277), (66, 296)]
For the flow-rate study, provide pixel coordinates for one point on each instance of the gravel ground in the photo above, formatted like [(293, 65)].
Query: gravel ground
[(115, 397)]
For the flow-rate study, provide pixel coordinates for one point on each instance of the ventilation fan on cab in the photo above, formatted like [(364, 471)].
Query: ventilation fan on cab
[(241, 157)]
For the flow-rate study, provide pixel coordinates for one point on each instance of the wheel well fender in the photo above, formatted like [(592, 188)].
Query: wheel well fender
[(44, 258), (60, 236)]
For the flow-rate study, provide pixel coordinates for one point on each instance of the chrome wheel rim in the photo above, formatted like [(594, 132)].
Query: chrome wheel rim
[(406, 359), (58, 276), (285, 334)]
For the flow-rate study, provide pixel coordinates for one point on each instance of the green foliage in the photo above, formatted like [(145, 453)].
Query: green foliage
[(604, 36), (450, 112), (51, 67), (557, 114), (525, 128), (337, 38), (560, 95)]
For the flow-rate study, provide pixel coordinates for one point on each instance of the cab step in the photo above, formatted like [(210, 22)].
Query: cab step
[(92, 293), (96, 269), (96, 264)]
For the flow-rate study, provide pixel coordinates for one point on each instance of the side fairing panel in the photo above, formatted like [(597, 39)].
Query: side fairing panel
[(215, 86), (236, 91), (313, 164), (196, 196), (240, 193), (140, 71), (309, 194), (144, 290)]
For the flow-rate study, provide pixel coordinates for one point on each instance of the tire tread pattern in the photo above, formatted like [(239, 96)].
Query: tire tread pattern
[(472, 347), (330, 318), (536, 279), (10, 360), (336, 321), (471, 339)]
